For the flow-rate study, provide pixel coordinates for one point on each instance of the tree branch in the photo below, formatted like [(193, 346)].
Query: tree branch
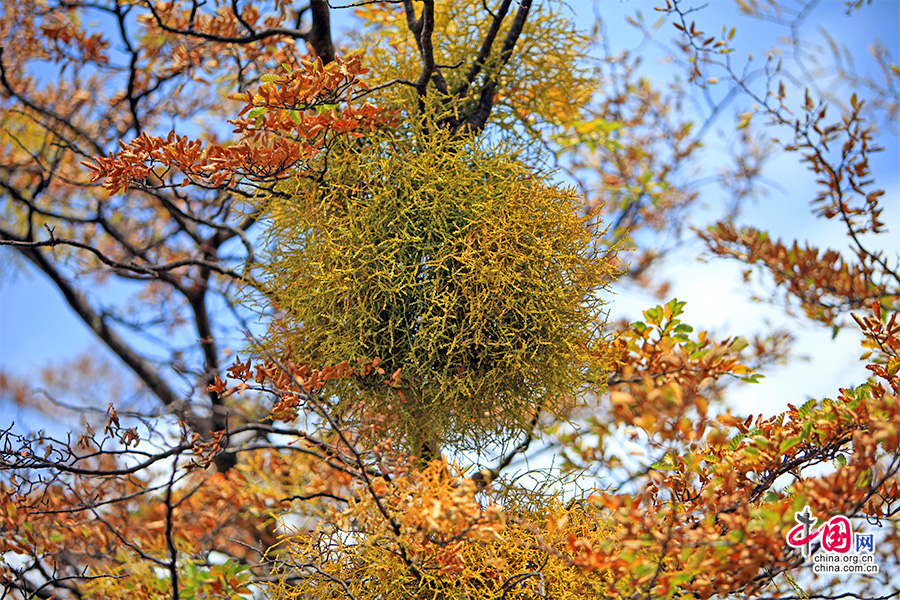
[(485, 51), (47, 113), (422, 29), (250, 38), (320, 33), (478, 118), (151, 272), (77, 301), (426, 47)]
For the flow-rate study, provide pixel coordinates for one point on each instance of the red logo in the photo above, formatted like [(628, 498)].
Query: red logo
[(836, 533)]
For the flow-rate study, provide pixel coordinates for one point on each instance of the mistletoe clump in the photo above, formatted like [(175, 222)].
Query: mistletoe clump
[(469, 280)]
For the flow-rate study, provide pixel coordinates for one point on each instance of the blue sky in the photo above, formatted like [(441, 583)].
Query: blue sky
[(37, 327), (716, 296)]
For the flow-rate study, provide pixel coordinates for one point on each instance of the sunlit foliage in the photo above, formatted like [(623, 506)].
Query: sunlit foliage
[(474, 282), (357, 288)]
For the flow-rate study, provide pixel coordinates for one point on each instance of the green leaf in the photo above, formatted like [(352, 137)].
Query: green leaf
[(676, 306), (644, 568), (807, 430), (737, 536), (666, 464), (808, 407), (893, 366), (788, 444), (739, 344)]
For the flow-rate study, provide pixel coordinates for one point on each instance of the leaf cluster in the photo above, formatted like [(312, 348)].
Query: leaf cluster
[(544, 84), (425, 535), (472, 280)]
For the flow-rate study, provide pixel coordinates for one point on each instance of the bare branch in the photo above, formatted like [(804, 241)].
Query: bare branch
[(479, 117), (319, 36)]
